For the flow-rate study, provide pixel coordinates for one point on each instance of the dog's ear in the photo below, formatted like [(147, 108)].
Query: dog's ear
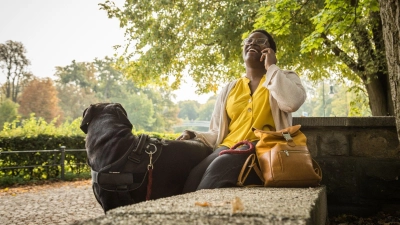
[(87, 117), (122, 108), (123, 116)]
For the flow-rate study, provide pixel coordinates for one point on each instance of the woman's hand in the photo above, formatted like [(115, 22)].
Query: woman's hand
[(269, 56), (186, 135)]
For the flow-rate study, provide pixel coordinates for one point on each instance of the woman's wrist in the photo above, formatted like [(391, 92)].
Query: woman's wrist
[(191, 134)]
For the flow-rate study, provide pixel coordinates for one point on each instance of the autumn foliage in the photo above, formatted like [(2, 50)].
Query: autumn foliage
[(40, 97)]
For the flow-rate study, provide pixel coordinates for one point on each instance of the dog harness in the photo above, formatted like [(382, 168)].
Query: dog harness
[(119, 176)]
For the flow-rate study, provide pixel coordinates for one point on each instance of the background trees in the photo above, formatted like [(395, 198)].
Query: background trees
[(206, 109), (40, 97), (140, 110), (8, 111), (165, 110), (75, 84), (333, 100), (189, 110), (13, 60), (83, 83), (74, 99)]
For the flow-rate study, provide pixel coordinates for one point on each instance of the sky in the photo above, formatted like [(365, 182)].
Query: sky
[(55, 32)]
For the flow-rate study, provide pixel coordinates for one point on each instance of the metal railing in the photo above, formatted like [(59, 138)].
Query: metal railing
[(195, 123), (62, 150)]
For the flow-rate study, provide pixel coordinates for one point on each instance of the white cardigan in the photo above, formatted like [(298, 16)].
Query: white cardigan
[(287, 94)]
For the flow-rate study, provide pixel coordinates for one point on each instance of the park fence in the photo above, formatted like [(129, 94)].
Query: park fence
[(43, 164)]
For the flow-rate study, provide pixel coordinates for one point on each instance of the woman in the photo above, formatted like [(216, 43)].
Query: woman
[(264, 99)]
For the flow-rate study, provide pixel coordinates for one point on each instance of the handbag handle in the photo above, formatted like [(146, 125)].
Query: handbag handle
[(250, 164), (242, 178), (233, 149)]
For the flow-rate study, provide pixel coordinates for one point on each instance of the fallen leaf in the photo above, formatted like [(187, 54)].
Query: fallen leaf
[(237, 205), (202, 204)]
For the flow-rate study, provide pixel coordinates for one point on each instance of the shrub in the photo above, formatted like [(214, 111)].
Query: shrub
[(31, 136)]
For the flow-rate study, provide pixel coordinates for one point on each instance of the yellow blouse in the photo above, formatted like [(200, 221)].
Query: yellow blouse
[(246, 111)]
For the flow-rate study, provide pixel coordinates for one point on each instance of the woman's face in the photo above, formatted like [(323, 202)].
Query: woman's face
[(253, 45)]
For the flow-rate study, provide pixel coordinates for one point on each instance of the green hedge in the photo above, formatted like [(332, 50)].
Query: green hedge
[(46, 163)]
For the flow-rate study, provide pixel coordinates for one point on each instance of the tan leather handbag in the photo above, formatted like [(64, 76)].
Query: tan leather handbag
[(283, 160)]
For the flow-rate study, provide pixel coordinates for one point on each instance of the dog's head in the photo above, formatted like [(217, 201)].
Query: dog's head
[(95, 110)]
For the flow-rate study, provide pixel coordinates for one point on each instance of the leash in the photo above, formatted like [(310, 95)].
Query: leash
[(233, 149), (150, 167)]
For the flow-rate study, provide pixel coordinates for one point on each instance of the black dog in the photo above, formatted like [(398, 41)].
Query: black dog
[(128, 169)]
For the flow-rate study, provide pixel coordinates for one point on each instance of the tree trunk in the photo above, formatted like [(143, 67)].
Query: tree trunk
[(390, 16), (377, 96)]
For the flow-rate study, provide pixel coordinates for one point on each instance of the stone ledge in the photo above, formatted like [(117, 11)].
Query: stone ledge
[(375, 121), (261, 206)]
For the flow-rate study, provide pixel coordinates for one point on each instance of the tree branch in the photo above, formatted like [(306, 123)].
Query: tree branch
[(341, 54)]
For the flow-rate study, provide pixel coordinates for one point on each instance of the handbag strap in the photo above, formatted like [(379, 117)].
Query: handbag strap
[(258, 172), (249, 164), (243, 173), (233, 149), (317, 168)]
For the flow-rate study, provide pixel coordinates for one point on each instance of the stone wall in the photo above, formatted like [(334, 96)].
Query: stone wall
[(360, 161)]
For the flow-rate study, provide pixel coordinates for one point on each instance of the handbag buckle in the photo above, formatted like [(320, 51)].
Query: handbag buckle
[(287, 137)]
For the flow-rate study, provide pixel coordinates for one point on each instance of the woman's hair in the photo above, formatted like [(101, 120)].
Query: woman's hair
[(270, 39)]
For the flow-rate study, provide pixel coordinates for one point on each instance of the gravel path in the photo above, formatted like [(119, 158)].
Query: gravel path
[(58, 203)]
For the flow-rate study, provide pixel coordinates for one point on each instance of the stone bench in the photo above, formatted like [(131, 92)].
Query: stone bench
[(260, 206)]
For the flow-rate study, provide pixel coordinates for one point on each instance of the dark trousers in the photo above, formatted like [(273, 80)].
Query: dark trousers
[(219, 171)]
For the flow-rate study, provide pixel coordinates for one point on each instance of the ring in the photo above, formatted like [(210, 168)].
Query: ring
[(149, 152)]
